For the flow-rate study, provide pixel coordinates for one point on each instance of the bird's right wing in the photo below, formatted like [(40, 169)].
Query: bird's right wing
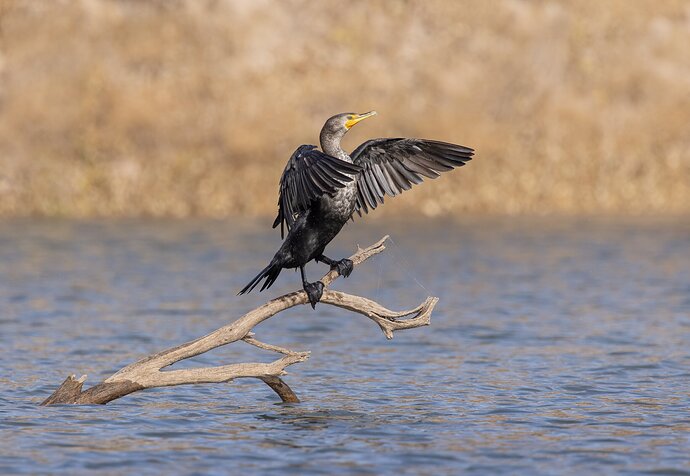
[(308, 175)]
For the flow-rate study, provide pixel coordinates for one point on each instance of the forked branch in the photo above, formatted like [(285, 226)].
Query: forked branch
[(148, 372)]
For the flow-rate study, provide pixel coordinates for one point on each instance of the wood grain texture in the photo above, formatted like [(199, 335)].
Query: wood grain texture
[(149, 372)]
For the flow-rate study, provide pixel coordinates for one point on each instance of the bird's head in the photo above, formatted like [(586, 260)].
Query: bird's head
[(341, 123), (335, 128)]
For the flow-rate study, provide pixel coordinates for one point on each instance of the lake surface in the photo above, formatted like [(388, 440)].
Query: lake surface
[(558, 347)]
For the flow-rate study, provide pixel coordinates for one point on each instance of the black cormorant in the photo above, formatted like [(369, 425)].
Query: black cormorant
[(321, 190)]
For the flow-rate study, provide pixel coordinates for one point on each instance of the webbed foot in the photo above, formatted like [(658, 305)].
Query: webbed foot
[(314, 292), (344, 267)]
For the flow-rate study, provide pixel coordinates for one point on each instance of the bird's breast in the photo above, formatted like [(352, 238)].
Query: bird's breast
[(341, 204)]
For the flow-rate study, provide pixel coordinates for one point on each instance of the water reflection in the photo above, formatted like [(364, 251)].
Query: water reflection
[(557, 347)]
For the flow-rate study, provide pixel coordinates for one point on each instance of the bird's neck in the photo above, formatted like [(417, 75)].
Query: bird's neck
[(330, 144)]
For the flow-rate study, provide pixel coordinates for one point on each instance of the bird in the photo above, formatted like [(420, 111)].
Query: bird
[(320, 190)]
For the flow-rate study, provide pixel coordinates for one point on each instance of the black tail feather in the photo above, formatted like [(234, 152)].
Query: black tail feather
[(270, 272)]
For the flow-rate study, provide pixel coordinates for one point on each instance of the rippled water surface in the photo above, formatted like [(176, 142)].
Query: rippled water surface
[(558, 347)]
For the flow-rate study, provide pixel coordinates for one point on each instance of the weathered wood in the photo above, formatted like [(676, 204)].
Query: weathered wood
[(67, 392), (148, 372), (281, 388), (107, 392)]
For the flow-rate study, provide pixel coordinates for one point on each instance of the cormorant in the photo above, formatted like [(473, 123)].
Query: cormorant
[(321, 190)]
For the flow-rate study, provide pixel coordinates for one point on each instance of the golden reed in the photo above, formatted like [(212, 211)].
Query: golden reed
[(155, 108)]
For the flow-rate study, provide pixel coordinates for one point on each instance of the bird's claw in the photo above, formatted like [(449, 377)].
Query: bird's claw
[(344, 267), (314, 292)]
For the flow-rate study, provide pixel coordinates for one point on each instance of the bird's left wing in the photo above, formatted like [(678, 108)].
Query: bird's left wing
[(308, 175), (391, 166)]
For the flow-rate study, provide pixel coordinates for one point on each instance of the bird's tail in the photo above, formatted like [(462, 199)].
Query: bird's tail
[(270, 272)]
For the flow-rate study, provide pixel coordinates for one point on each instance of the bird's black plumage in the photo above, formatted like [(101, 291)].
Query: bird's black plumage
[(320, 190), (308, 175), (391, 166)]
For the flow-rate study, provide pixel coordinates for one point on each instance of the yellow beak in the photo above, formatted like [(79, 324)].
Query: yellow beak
[(358, 117)]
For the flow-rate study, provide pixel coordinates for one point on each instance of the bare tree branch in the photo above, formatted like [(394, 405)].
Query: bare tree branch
[(148, 372), (249, 339), (387, 320)]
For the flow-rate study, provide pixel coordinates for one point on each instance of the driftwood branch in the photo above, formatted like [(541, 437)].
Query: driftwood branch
[(148, 372)]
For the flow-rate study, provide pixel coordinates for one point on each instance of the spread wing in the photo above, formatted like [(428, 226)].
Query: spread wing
[(309, 174), (391, 166)]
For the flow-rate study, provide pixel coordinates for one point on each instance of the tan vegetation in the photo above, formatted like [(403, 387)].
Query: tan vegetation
[(192, 107)]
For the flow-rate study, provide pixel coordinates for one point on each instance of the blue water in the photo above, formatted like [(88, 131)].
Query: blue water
[(558, 347)]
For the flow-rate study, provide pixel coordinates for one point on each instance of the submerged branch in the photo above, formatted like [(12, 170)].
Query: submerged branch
[(148, 372)]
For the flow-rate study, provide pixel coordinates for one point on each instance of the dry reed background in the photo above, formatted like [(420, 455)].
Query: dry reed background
[(177, 108)]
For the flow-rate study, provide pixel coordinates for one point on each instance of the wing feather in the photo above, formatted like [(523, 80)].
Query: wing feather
[(383, 181), (400, 181), (373, 185), (391, 166), (308, 175)]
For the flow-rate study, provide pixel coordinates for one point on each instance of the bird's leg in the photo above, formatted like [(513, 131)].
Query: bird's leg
[(314, 290), (344, 266)]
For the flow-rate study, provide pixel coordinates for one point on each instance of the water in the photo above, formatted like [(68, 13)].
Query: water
[(558, 347)]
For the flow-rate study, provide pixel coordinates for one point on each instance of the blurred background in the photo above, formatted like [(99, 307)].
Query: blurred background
[(191, 108), (560, 341)]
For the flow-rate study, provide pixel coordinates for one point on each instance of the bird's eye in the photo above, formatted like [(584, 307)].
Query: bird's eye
[(349, 118)]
